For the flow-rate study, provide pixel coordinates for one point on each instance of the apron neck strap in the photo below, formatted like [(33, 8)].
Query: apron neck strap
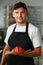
[(14, 28), (27, 27)]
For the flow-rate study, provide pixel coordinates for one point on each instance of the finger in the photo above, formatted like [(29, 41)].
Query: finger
[(1, 51), (27, 51), (8, 52)]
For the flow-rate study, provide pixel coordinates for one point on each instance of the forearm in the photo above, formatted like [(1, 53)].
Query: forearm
[(35, 53), (4, 57)]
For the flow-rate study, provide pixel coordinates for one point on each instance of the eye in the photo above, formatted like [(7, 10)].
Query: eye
[(17, 12)]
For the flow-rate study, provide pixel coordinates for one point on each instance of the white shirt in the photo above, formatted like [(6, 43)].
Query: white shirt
[(33, 32)]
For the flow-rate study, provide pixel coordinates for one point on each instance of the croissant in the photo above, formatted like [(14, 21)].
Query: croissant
[(16, 50)]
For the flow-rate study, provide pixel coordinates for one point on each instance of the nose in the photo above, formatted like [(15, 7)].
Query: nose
[(20, 14)]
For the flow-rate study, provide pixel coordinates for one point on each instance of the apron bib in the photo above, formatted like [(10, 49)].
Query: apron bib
[(21, 39)]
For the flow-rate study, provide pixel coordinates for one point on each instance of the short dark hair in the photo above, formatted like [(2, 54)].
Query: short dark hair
[(20, 4)]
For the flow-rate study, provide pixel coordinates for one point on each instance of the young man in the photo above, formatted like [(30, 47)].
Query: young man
[(23, 34)]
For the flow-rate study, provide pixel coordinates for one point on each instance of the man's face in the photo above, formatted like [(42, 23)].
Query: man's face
[(20, 14)]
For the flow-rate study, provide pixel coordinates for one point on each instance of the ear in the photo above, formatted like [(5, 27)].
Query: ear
[(27, 13), (13, 13)]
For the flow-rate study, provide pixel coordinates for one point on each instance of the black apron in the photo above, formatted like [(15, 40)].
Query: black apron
[(21, 39)]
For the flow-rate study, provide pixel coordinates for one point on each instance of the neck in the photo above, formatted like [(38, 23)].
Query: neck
[(21, 24)]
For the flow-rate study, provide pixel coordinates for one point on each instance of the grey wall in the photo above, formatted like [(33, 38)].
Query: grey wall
[(1, 17)]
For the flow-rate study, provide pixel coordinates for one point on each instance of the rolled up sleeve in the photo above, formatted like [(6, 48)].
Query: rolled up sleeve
[(36, 38)]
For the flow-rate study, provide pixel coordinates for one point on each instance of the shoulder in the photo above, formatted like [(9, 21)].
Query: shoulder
[(11, 27), (32, 28)]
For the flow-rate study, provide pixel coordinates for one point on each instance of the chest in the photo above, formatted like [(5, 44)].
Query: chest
[(20, 39)]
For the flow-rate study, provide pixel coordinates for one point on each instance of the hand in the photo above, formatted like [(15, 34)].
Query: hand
[(8, 52), (0, 63), (25, 53), (1, 51)]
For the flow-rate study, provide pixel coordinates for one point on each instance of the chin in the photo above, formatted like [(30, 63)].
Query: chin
[(21, 21)]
